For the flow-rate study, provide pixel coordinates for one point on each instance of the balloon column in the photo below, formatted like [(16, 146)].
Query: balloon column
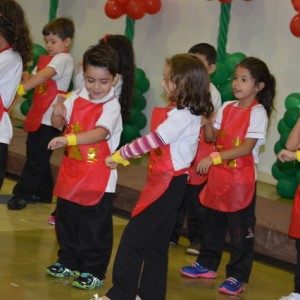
[(295, 22), (134, 10), (288, 173)]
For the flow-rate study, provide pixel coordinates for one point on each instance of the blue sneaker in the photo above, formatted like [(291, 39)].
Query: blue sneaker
[(87, 281), (196, 270), (59, 271), (231, 286)]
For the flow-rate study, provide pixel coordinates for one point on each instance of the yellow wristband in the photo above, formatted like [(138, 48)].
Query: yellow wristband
[(20, 90), (119, 159), (72, 140), (216, 158), (298, 155)]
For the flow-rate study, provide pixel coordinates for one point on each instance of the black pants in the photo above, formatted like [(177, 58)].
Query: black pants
[(141, 263), (36, 178), (3, 161), (85, 235), (297, 271), (240, 226), (195, 214)]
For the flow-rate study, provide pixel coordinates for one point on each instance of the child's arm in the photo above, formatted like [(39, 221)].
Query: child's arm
[(293, 141), (286, 155)]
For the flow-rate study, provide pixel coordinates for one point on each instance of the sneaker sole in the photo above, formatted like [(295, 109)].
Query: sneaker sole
[(208, 275), (228, 292), (192, 251), (86, 287)]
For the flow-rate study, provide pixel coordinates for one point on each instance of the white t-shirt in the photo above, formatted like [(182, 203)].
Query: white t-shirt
[(257, 128), (215, 97), (181, 131), (63, 64), (110, 119), (11, 68)]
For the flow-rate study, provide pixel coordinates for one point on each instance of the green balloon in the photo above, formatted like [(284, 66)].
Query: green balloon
[(24, 108), (277, 147), (289, 168), (134, 112), (283, 138), (226, 92), (38, 50), (141, 121), (291, 116), (29, 95), (139, 100), (233, 60), (292, 101), (221, 74), (144, 85), (276, 172), (286, 187), (139, 76), (282, 127), (129, 133), (298, 176)]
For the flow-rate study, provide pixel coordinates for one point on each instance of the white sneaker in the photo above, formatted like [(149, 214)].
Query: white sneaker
[(292, 296)]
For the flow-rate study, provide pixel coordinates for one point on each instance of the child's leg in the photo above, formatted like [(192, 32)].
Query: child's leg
[(138, 245), (241, 230), (3, 161), (297, 271)]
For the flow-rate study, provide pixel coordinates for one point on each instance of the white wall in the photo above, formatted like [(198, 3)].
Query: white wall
[(258, 28)]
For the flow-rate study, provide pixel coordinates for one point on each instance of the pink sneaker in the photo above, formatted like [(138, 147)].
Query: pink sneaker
[(51, 220)]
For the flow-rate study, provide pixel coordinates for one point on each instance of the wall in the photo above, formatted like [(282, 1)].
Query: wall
[(258, 28)]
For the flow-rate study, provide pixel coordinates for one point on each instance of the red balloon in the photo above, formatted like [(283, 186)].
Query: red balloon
[(121, 2), (296, 4), (152, 6), (225, 1), (295, 25), (113, 10), (135, 9)]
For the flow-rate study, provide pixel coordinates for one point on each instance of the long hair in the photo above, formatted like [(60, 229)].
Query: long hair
[(14, 29), (191, 79)]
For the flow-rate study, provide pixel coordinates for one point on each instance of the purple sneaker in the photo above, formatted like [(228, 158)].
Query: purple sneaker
[(196, 270), (231, 286)]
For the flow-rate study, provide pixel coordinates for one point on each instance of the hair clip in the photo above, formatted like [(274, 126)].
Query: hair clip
[(106, 37)]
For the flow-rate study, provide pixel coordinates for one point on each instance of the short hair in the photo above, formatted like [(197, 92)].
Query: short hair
[(207, 50), (63, 27)]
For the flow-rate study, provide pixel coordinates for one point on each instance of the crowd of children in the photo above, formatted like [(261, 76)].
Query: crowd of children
[(202, 159)]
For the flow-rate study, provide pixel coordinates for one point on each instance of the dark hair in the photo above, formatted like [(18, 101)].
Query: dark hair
[(14, 29), (63, 27), (102, 56), (260, 72), (126, 68), (191, 79), (207, 50)]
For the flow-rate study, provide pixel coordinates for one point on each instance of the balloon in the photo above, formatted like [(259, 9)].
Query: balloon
[(121, 2), (29, 95), (286, 187), (296, 4), (289, 168), (283, 138), (139, 75), (135, 9), (295, 25), (233, 60), (282, 127), (141, 81), (221, 74), (291, 116), (25, 106), (134, 112), (139, 100), (152, 6), (141, 121), (225, 1), (38, 50), (298, 176), (276, 172), (129, 133), (113, 9), (292, 101), (277, 147), (144, 85), (226, 91)]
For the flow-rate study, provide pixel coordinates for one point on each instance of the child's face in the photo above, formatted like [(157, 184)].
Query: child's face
[(98, 82), (166, 83), (54, 44), (210, 68)]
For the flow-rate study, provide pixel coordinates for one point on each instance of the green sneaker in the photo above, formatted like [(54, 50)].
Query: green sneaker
[(87, 281), (59, 271)]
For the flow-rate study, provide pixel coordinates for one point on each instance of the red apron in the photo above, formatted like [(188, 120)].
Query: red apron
[(294, 230), (83, 175), (231, 185), (43, 97), (204, 149), (160, 167)]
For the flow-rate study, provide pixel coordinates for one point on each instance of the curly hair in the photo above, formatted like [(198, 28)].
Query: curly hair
[(14, 29)]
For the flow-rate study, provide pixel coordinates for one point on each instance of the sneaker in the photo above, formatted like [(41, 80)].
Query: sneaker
[(87, 281), (16, 203), (196, 270), (59, 271), (51, 220), (292, 296), (194, 249), (231, 286), (172, 244)]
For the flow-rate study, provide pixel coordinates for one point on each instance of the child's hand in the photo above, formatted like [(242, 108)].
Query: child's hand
[(204, 165), (25, 76), (60, 110), (61, 98), (110, 163), (286, 155), (57, 142)]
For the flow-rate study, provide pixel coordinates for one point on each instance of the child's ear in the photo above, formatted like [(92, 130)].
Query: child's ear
[(116, 79), (68, 42), (211, 68), (259, 86)]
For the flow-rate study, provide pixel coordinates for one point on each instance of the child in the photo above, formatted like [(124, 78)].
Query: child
[(124, 86), (140, 267), (54, 73), (293, 153), (15, 53), (207, 54), (230, 192), (85, 186)]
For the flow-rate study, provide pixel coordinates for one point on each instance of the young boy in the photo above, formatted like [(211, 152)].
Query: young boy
[(207, 54), (54, 74)]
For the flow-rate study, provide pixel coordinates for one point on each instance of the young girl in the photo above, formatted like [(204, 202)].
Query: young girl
[(124, 86), (230, 192), (15, 53), (85, 186), (140, 267), (293, 153)]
